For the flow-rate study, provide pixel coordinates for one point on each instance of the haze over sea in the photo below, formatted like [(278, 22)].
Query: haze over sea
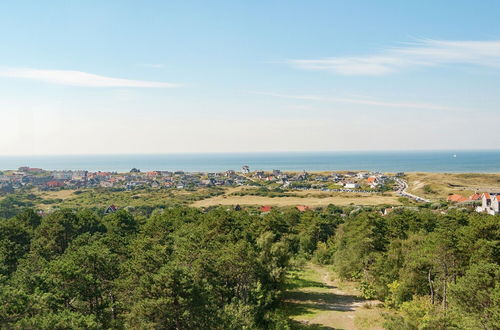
[(486, 161)]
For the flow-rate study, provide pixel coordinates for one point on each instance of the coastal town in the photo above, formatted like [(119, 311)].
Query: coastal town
[(74, 179), (342, 182)]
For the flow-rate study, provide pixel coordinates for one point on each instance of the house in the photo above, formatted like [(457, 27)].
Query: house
[(351, 185), (302, 208), (245, 169), (54, 184), (387, 211), (153, 174), (110, 209), (489, 204), (265, 208), (495, 204), (475, 197), (485, 200), (79, 175), (373, 181), (106, 184), (455, 198), (62, 175), (260, 174)]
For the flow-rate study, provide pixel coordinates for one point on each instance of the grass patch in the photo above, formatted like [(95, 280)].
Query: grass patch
[(315, 299), (440, 185)]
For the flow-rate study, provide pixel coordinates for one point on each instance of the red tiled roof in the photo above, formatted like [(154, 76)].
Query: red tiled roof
[(456, 198), (54, 184), (103, 174), (153, 173), (302, 208), (265, 208), (487, 195), (475, 197), (371, 179)]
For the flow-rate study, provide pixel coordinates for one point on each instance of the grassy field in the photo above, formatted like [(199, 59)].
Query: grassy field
[(341, 199), (104, 197), (440, 185), (203, 198), (315, 299), (433, 186)]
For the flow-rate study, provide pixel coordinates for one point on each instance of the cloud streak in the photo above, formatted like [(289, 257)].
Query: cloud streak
[(424, 53), (79, 78), (362, 101)]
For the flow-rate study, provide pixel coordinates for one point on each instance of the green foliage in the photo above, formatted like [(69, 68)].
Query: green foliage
[(477, 294), (184, 268)]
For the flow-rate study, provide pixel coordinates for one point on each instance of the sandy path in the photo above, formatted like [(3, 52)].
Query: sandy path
[(331, 306)]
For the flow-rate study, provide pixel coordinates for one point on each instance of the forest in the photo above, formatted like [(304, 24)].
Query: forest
[(225, 268)]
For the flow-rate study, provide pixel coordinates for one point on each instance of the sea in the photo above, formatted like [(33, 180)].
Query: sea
[(451, 161)]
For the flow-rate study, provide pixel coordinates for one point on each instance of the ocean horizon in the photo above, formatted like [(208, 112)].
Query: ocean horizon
[(453, 161)]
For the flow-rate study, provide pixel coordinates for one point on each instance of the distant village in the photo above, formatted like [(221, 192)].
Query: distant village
[(345, 181), (56, 180)]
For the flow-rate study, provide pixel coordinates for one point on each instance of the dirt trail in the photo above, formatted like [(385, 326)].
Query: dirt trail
[(325, 306)]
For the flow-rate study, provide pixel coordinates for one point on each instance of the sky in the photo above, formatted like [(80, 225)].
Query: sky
[(129, 77)]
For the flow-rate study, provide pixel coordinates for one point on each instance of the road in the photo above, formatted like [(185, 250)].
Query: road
[(403, 186)]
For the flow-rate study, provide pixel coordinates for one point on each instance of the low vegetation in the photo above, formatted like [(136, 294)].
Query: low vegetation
[(440, 185)]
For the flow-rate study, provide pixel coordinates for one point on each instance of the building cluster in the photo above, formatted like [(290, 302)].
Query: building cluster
[(489, 202), (51, 180), (347, 180)]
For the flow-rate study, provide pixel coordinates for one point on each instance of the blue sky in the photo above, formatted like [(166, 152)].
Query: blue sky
[(87, 77)]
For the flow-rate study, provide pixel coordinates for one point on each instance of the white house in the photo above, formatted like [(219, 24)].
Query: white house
[(489, 204), (362, 175), (350, 185), (495, 204)]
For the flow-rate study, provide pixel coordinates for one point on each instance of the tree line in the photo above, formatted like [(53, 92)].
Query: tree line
[(186, 268)]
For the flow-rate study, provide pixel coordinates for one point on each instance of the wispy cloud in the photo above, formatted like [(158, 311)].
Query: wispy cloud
[(78, 78), (424, 53), (364, 101)]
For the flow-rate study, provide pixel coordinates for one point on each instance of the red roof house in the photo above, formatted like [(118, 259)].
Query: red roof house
[(456, 198), (266, 208), (475, 197), (54, 184), (302, 208)]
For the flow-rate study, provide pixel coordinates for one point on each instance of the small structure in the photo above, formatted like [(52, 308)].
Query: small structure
[(475, 197), (351, 185), (111, 209), (265, 208), (387, 211), (362, 175), (245, 169), (489, 204), (495, 204), (302, 208), (455, 198), (54, 184)]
